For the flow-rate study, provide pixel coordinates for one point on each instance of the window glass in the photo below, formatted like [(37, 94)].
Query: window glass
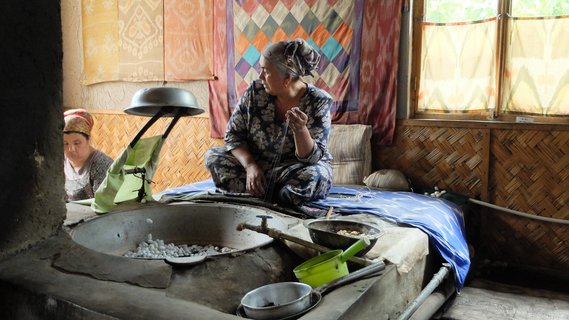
[(474, 63), (540, 8), (458, 57), (458, 68), (445, 11)]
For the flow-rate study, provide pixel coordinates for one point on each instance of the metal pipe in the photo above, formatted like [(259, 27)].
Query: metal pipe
[(519, 213), (426, 292), (434, 302)]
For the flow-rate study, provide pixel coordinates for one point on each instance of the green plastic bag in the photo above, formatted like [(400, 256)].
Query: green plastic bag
[(118, 186)]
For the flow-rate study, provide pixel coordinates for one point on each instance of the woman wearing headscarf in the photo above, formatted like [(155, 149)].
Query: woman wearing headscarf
[(85, 167), (276, 141)]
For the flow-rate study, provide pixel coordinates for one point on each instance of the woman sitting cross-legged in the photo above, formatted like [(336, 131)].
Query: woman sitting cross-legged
[(276, 141)]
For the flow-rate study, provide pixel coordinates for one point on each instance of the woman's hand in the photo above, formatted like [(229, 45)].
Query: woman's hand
[(303, 142), (296, 119), (256, 182)]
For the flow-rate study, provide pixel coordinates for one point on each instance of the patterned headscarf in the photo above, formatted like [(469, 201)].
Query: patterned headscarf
[(78, 120), (294, 57)]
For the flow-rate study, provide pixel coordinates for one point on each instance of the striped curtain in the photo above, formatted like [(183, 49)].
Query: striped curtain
[(458, 70)]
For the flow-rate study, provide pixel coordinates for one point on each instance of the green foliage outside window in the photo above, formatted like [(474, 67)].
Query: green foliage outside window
[(445, 11)]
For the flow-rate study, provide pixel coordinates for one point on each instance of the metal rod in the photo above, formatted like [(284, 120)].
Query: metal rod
[(150, 122), (172, 124)]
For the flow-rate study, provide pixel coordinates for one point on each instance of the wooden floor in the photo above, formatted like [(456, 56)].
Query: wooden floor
[(486, 300)]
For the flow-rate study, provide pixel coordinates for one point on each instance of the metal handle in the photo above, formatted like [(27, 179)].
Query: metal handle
[(264, 218), (134, 171), (358, 274)]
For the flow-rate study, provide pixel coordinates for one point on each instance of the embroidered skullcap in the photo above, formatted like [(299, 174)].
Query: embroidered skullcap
[(296, 57), (78, 120)]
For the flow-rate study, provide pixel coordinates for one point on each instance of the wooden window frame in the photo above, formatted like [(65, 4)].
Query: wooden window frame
[(504, 12)]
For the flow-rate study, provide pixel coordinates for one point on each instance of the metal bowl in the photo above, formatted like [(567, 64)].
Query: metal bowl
[(277, 300), (325, 233), (148, 101)]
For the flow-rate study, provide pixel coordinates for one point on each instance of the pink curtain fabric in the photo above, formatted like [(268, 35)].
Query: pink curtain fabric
[(141, 34), (188, 36), (219, 110), (378, 73), (360, 56)]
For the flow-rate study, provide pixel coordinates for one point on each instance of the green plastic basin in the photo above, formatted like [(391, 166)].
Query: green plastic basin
[(327, 266)]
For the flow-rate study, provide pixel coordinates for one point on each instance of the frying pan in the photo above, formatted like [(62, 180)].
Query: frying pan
[(289, 300)]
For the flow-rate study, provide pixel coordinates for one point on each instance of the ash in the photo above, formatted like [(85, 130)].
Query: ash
[(157, 249)]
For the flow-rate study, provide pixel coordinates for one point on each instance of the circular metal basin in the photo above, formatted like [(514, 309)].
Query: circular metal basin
[(118, 232)]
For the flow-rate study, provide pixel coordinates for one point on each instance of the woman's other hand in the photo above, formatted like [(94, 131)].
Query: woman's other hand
[(256, 182)]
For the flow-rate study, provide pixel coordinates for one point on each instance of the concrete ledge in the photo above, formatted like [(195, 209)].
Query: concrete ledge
[(33, 287)]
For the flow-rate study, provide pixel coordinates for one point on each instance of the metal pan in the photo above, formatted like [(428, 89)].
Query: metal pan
[(258, 304), (327, 233)]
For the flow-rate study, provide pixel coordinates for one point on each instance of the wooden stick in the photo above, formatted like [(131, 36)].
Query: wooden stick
[(329, 213)]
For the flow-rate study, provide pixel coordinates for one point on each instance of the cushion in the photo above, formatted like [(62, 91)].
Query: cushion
[(388, 180), (350, 147)]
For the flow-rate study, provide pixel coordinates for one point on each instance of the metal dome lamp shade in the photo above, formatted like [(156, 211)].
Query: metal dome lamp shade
[(162, 102), (148, 101)]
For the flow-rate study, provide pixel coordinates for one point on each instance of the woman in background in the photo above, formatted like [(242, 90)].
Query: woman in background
[(278, 116), (85, 167)]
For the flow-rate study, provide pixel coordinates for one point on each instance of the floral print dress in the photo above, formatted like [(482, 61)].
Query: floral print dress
[(254, 124)]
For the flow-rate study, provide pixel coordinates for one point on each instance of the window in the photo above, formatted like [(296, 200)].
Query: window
[(491, 59)]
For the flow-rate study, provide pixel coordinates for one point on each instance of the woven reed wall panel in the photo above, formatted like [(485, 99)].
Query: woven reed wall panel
[(525, 170), (449, 158), (182, 157), (530, 173)]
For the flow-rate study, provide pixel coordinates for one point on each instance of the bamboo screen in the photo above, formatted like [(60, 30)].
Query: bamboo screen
[(523, 169)]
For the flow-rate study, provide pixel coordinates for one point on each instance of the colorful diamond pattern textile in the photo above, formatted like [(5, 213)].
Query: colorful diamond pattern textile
[(326, 25)]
